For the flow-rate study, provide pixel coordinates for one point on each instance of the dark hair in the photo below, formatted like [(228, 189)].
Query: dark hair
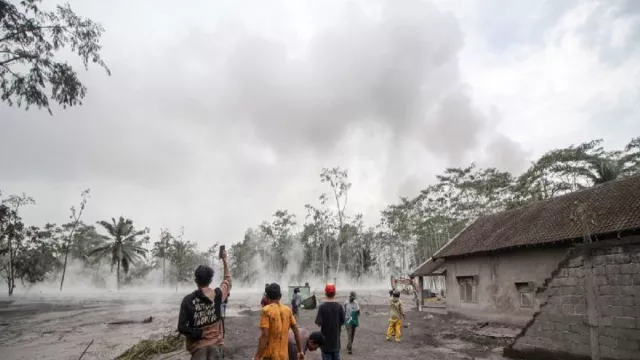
[(296, 290), (204, 275), (317, 338), (396, 294), (273, 292)]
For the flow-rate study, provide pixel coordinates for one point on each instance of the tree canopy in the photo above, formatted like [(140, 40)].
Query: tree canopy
[(323, 240), (32, 72)]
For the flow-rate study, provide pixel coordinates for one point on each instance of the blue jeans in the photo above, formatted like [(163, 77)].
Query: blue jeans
[(331, 355)]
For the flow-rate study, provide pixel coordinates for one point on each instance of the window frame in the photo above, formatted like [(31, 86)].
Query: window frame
[(465, 283), (526, 290)]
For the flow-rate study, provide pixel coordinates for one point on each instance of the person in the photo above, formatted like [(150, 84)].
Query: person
[(310, 341), (330, 318), (296, 300), (200, 314), (264, 300), (396, 315), (275, 321), (224, 312), (352, 313), (224, 306)]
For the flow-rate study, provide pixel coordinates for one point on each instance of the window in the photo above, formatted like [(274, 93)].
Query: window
[(525, 289), (468, 288)]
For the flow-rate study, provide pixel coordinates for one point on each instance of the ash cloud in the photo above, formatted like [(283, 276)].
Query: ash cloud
[(215, 123)]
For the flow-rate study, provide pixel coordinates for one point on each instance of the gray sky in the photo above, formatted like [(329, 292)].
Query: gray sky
[(220, 112)]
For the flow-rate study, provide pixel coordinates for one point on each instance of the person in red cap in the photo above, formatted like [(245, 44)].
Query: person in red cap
[(330, 319)]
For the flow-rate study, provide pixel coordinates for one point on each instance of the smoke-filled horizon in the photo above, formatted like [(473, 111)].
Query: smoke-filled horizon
[(217, 115)]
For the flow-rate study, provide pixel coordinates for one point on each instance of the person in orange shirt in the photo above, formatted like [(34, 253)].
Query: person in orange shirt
[(275, 321)]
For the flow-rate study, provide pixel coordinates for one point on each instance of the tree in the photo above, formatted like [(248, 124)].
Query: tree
[(29, 41), (321, 230), (36, 257), (125, 244), (161, 250), (278, 236), (338, 179), (12, 234), (184, 258), (75, 219), (577, 167)]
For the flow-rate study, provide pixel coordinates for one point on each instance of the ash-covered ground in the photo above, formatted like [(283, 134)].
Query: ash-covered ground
[(61, 327)]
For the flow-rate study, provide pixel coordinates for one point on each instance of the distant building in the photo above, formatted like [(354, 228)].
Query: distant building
[(566, 268)]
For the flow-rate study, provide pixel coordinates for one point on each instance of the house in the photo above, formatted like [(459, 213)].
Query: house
[(563, 268)]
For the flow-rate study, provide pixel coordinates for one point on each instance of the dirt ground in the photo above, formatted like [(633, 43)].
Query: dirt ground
[(427, 336), (59, 329)]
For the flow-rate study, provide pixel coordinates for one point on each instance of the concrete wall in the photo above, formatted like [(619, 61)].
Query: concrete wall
[(497, 296), (592, 306)]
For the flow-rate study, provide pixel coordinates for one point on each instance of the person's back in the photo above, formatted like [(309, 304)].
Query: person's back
[(304, 338), (200, 318), (396, 315), (275, 321), (296, 301), (279, 319), (309, 341), (330, 319)]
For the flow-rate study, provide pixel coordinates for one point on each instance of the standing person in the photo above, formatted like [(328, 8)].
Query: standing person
[(309, 342), (275, 321), (224, 311), (200, 318), (296, 300), (352, 313), (330, 319), (396, 315)]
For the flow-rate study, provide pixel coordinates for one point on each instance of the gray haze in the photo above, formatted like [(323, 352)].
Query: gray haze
[(220, 112)]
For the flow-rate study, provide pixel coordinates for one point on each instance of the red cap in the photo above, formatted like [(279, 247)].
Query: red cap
[(330, 289)]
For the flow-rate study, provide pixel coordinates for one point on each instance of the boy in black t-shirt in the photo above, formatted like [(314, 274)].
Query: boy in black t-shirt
[(330, 319)]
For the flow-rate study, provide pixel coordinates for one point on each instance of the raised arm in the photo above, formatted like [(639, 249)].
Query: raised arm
[(225, 286)]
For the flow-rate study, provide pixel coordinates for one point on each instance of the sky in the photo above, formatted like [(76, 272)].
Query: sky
[(218, 113)]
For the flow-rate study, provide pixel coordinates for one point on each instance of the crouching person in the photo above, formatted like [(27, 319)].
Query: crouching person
[(201, 318), (309, 341)]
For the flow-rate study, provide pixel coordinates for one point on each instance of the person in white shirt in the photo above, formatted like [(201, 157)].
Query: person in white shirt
[(352, 313)]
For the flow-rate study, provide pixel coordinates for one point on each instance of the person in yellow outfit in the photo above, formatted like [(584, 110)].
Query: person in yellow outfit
[(396, 315), (275, 321)]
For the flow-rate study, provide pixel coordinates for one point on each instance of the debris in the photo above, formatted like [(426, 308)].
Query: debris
[(146, 349), (85, 349), (125, 322)]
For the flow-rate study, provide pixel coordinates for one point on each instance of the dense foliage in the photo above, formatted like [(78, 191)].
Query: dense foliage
[(30, 38), (328, 240)]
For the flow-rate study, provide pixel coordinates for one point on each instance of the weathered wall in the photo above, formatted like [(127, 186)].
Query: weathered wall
[(497, 296), (561, 328)]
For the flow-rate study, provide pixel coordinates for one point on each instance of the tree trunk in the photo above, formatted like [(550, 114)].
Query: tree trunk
[(163, 270), (10, 281), (118, 276), (324, 260), (64, 266)]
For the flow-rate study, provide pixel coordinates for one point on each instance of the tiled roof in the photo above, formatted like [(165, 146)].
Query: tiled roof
[(428, 267), (609, 208)]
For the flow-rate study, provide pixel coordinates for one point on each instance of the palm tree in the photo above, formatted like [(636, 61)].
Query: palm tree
[(124, 246)]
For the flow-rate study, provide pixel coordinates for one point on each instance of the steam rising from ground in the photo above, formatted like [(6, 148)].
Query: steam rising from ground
[(100, 282)]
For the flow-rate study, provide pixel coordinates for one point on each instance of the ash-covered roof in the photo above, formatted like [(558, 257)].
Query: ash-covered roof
[(608, 208)]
